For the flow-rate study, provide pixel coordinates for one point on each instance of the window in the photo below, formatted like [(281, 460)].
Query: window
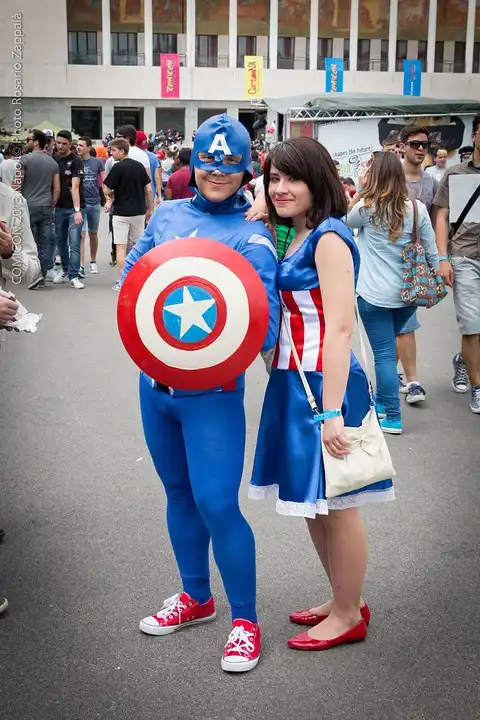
[(476, 57), (87, 121), (246, 45), (286, 53), (346, 53), (363, 55), (422, 53), (124, 48), (206, 51), (459, 57), (438, 56), (383, 56), (401, 54), (325, 50), (163, 43), (82, 48)]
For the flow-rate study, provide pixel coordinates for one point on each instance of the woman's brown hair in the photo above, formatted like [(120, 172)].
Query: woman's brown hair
[(306, 159), (386, 193)]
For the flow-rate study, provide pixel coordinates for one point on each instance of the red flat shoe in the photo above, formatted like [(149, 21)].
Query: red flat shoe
[(305, 617), (304, 642)]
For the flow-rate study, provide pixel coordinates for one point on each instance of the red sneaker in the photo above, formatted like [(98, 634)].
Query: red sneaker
[(242, 651), (178, 612)]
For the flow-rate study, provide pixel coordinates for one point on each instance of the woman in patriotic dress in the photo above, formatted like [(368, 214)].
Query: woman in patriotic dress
[(316, 280)]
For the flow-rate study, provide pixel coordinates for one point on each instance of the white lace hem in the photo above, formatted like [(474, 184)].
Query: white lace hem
[(321, 507)]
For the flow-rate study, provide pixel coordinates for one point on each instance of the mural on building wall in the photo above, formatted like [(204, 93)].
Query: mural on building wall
[(333, 18), (452, 19), (126, 15), (294, 18), (212, 17), (253, 17), (84, 14), (413, 19), (373, 17), (169, 16)]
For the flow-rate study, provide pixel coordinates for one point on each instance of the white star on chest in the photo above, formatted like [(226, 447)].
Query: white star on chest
[(191, 312), (192, 234)]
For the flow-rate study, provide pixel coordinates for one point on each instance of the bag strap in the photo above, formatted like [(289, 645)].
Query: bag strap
[(415, 228), (456, 225), (306, 385)]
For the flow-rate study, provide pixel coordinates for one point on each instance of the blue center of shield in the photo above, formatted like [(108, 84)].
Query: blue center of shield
[(189, 314)]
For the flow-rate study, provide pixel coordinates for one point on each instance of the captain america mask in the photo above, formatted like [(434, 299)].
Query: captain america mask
[(223, 144)]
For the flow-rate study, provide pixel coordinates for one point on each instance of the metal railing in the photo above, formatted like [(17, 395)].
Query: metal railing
[(78, 58), (213, 61), (128, 59), (378, 65), (449, 67), (156, 59)]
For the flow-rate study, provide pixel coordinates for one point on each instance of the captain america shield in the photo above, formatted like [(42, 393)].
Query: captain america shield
[(193, 314)]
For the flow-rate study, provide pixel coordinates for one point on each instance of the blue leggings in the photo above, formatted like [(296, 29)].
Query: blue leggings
[(197, 444)]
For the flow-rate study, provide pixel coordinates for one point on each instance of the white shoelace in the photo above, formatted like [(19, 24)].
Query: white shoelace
[(172, 606), (476, 396), (240, 641)]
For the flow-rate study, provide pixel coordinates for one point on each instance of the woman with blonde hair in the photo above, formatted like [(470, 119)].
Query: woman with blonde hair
[(385, 219)]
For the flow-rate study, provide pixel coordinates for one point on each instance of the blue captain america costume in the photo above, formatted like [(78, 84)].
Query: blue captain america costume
[(197, 438)]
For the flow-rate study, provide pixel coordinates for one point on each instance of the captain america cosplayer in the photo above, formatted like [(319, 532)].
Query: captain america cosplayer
[(197, 438)]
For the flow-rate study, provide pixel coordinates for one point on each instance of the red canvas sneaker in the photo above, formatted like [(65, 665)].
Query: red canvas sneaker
[(242, 651), (177, 612)]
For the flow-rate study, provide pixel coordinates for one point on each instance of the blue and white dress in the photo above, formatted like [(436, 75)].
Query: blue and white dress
[(288, 459)]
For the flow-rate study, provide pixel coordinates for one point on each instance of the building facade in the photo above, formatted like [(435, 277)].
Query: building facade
[(93, 64)]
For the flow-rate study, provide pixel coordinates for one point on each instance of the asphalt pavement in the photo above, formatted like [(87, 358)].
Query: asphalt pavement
[(87, 554)]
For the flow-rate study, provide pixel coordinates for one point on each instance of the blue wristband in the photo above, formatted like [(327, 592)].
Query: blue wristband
[(327, 415), (443, 257)]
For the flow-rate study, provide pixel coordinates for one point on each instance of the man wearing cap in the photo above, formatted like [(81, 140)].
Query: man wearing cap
[(197, 438)]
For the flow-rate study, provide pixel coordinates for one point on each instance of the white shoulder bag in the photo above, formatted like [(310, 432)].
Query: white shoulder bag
[(369, 458)]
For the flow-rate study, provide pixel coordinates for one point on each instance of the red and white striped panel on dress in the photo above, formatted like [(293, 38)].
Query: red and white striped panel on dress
[(307, 326)]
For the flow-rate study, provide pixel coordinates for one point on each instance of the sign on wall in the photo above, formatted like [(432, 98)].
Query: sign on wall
[(170, 75), (334, 75), (253, 76), (412, 77)]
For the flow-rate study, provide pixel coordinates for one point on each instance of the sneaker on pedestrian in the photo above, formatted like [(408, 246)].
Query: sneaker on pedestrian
[(380, 411), (402, 385), (113, 263), (177, 612), (460, 376), (117, 287), (58, 260), (475, 401), (81, 272), (391, 427), (242, 651), (77, 284), (416, 393), (50, 276), (93, 268), (60, 277), (3, 604), (39, 282)]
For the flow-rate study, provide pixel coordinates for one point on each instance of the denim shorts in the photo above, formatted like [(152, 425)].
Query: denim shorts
[(92, 218), (466, 294), (411, 325)]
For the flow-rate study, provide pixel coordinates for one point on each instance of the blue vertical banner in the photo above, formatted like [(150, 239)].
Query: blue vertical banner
[(412, 77), (334, 75)]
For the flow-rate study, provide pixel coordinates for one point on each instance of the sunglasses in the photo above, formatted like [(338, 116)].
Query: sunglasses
[(417, 144)]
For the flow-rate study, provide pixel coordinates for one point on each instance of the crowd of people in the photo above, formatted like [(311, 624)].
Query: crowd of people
[(297, 234)]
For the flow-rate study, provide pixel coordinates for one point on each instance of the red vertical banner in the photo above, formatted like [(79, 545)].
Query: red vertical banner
[(170, 75)]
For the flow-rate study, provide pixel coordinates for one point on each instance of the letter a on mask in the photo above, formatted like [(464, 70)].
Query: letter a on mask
[(219, 144)]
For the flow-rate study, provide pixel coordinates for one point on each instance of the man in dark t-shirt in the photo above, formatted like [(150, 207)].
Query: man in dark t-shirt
[(70, 210), (125, 185)]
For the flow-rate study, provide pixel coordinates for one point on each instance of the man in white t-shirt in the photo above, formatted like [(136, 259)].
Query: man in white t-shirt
[(129, 133)]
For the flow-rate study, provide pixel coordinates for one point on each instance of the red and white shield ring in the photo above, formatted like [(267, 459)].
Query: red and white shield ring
[(193, 314)]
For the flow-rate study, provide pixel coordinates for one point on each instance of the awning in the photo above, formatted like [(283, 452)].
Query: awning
[(328, 105)]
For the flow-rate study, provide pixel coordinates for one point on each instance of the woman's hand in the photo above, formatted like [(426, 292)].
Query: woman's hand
[(335, 438)]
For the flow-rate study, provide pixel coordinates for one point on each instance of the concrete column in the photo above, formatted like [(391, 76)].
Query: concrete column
[(191, 33), (106, 36), (232, 110), (354, 34), (392, 36), (432, 35), (191, 121), (108, 120), (273, 52), (149, 119), (148, 30), (313, 49), (470, 39), (232, 34)]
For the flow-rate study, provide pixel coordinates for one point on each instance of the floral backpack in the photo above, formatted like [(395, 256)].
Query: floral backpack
[(421, 285)]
